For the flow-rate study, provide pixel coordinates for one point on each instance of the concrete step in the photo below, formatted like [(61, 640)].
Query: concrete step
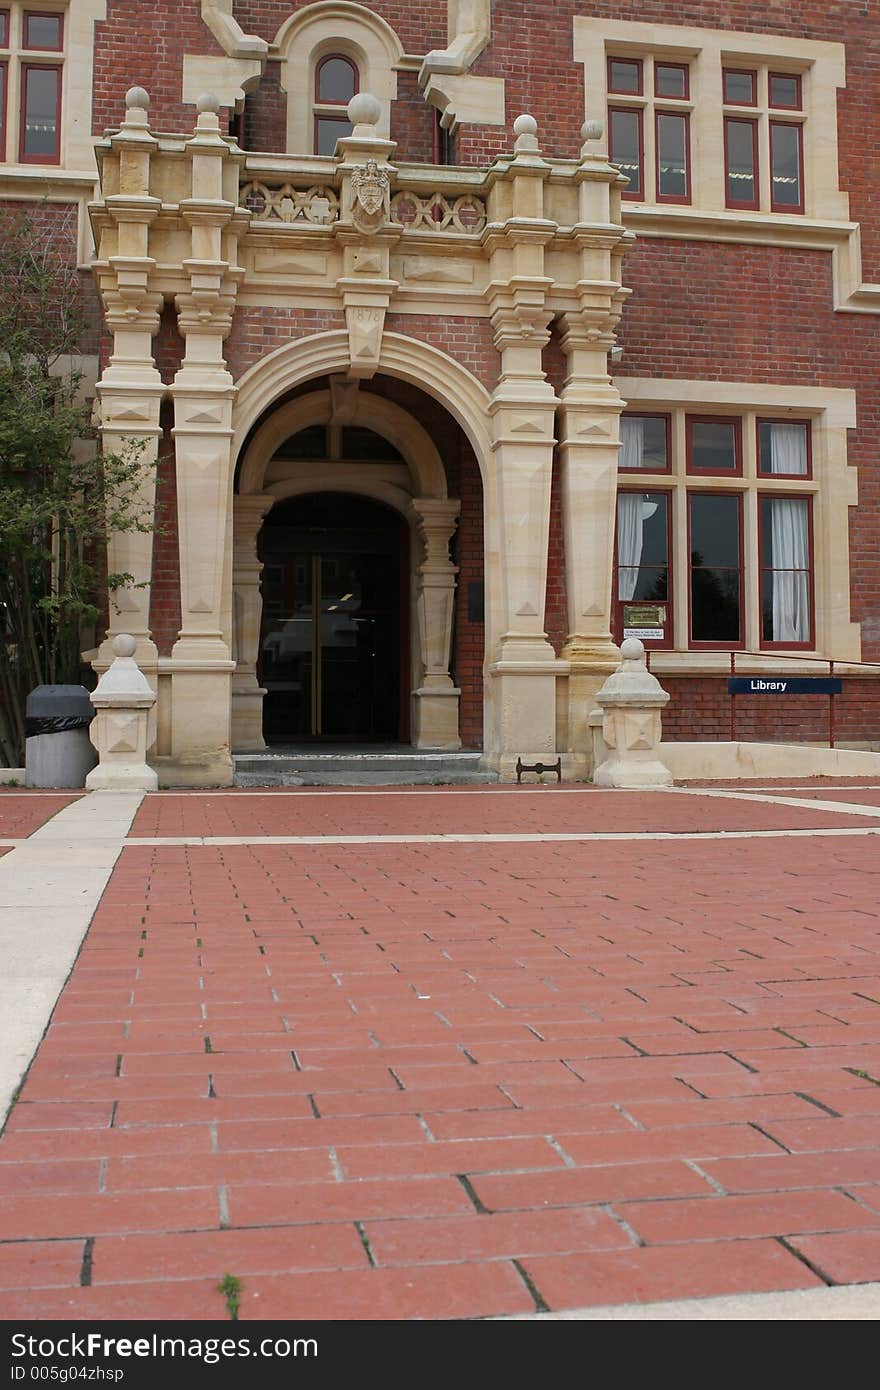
[(359, 767)]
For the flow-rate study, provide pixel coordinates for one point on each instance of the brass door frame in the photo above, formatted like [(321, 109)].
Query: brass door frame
[(317, 655)]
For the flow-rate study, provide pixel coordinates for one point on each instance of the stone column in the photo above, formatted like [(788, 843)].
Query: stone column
[(522, 411), (203, 393), (436, 701), (247, 612), (589, 438), (130, 389)]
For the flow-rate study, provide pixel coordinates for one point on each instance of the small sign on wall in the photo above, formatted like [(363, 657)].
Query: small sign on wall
[(646, 621), (784, 685)]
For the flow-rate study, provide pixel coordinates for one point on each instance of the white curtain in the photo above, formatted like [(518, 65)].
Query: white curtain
[(790, 558), (629, 542), (788, 449), (632, 442)]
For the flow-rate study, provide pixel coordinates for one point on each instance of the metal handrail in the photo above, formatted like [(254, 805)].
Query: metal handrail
[(799, 657)]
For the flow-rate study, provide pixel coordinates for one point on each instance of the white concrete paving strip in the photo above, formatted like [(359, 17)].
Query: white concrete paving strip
[(50, 885), (802, 803), (533, 838), (843, 1303)]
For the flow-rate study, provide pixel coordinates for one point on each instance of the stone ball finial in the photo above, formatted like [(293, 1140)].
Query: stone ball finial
[(364, 109), (592, 130), (525, 128), (124, 644), (207, 102), (137, 99), (525, 125), (632, 649)]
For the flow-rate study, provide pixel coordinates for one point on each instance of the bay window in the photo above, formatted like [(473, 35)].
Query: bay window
[(714, 531)]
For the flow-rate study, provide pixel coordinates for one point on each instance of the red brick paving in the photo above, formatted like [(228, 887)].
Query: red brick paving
[(450, 1080), (496, 810), (23, 812)]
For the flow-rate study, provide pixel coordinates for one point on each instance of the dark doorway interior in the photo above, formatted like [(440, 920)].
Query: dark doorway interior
[(333, 647)]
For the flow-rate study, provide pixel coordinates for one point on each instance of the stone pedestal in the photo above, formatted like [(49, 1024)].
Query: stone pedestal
[(124, 727), (631, 700)]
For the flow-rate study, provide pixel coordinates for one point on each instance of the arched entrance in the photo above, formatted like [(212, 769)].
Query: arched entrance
[(342, 500), (334, 640)]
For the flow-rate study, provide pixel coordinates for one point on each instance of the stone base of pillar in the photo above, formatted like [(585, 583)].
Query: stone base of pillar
[(435, 718), (200, 725), (525, 701), (247, 715), (582, 686), (123, 777), (632, 776), (205, 772)]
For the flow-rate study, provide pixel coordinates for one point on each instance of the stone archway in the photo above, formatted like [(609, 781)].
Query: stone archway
[(412, 481)]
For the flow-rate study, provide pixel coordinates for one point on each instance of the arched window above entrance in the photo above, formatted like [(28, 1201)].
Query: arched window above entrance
[(330, 50), (336, 81)]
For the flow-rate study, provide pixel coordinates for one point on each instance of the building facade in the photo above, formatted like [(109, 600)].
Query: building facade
[(465, 339)]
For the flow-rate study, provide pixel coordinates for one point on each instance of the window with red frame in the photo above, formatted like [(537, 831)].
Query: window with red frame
[(40, 119), (785, 527), (642, 588), (716, 569), (336, 82), (714, 444), (784, 449), (43, 31), (740, 87), (673, 146), (644, 443), (786, 167), (741, 162), (784, 91), (4, 28), (625, 147), (672, 81), (625, 76)]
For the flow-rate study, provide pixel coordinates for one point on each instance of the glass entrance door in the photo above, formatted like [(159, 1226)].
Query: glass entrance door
[(331, 645)]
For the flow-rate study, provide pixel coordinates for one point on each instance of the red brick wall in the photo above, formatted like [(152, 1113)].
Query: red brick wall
[(257, 332), (468, 341), (265, 115), (700, 708), (143, 46), (763, 314)]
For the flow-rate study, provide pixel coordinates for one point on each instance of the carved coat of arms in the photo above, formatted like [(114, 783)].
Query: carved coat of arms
[(371, 202)]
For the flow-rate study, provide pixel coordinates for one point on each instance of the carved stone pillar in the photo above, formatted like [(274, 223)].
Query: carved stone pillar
[(436, 701), (203, 393), (522, 410), (589, 421), (247, 612), (588, 446), (130, 389)]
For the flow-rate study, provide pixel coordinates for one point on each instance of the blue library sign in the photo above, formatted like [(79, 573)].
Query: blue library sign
[(784, 685)]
